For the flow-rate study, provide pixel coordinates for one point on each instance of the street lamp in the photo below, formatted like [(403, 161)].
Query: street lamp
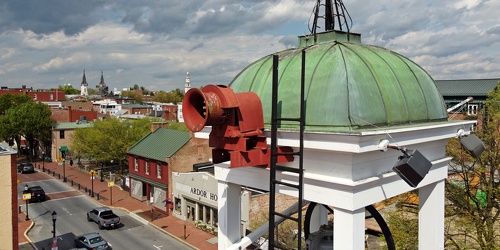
[(27, 200), (54, 218), (43, 161), (64, 170), (102, 171), (92, 175)]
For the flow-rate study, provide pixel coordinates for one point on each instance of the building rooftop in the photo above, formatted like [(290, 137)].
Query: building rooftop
[(153, 145), (348, 86)]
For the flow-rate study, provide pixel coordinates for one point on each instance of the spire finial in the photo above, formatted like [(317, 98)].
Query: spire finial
[(335, 14)]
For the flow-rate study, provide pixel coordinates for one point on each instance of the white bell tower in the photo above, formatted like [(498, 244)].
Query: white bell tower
[(187, 84)]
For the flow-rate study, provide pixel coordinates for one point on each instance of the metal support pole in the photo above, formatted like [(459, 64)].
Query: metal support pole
[(64, 170), (27, 213), (111, 195), (102, 171), (92, 195), (53, 228)]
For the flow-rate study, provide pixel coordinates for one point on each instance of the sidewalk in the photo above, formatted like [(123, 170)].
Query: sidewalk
[(181, 230)]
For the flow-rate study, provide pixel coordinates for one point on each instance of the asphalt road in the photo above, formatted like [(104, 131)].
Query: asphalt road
[(71, 207)]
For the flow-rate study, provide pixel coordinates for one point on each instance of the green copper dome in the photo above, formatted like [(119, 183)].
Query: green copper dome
[(348, 86)]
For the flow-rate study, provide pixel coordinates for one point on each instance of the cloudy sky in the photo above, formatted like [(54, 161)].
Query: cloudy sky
[(151, 43)]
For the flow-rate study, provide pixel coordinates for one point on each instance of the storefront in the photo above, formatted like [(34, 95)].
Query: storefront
[(149, 190), (195, 197)]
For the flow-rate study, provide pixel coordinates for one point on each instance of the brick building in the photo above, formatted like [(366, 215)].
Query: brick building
[(8, 191), (37, 96), (153, 159)]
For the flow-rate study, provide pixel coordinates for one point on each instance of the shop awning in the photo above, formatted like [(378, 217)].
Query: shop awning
[(149, 181), (63, 148)]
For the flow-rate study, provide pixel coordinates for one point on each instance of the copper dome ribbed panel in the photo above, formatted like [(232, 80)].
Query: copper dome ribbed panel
[(349, 86)]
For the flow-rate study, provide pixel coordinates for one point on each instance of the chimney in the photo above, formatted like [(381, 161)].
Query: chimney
[(157, 125)]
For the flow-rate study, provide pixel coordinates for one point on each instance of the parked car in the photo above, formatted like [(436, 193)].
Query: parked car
[(104, 217), (37, 194), (91, 241), (26, 167)]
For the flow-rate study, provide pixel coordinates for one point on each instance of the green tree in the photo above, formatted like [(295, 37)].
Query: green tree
[(8, 101), (178, 126), (7, 132), (403, 224), (473, 209), (132, 94), (29, 120), (174, 97), (109, 139), (93, 91), (68, 89)]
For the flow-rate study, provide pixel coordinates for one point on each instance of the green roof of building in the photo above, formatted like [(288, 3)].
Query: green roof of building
[(348, 86), (467, 87), (160, 144), (70, 125)]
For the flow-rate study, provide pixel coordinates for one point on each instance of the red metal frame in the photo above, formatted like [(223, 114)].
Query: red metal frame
[(237, 122)]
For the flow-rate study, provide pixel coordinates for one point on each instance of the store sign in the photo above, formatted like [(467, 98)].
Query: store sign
[(203, 193)]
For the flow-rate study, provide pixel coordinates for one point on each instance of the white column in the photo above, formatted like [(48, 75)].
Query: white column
[(349, 229), (229, 214), (431, 216)]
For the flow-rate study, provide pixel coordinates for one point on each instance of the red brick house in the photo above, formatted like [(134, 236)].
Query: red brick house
[(152, 160), (37, 96)]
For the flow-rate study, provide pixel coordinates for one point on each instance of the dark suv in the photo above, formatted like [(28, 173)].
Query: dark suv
[(26, 167), (37, 194)]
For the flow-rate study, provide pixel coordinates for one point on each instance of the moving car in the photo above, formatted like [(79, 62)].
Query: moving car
[(37, 194), (104, 217), (26, 167), (92, 241)]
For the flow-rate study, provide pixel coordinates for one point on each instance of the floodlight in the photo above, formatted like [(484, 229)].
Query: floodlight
[(473, 145), (412, 166)]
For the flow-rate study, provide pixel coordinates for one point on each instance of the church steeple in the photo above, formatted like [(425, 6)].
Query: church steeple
[(84, 80), (187, 84), (84, 86), (102, 79), (102, 86)]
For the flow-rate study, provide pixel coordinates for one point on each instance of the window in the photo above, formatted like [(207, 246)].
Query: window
[(136, 164), (34, 97), (51, 97), (147, 167), (61, 134), (158, 170), (472, 109)]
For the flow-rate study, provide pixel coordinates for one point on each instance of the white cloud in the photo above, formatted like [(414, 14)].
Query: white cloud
[(153, 43)]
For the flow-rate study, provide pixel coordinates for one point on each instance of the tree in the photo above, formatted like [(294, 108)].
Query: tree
[(178, 126), (8, 101), (93, 91), (68, 89), (109, 139), (473, 209), (132, 94), (168, 97), (29, 120)]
